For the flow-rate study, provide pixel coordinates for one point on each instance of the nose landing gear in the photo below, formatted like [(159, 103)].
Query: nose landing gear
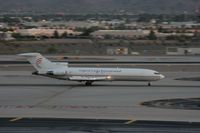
[(88, 83)]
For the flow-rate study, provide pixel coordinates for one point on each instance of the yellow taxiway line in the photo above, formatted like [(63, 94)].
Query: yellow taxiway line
[(129, 122), (16, 119)]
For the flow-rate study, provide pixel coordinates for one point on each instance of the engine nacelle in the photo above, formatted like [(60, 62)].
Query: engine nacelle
[(56, 73)]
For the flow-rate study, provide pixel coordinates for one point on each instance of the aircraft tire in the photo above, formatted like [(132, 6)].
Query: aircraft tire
[(88, 83)]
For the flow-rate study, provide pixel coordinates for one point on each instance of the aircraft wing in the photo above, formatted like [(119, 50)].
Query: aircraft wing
[(89, 78)]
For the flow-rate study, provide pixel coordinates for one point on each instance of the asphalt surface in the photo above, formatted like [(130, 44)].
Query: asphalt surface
[(25, 98), (13, 59), (179, 103), (108, 62), (23, 95), (28, 125)]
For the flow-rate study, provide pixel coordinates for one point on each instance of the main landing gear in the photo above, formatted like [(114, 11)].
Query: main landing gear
[(149, 84), (88, 83)]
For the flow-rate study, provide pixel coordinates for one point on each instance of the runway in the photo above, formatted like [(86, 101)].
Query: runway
[(37, 104), (25, 96)]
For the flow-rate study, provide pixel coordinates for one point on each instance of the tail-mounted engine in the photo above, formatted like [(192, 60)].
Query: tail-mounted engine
[(58, 73)]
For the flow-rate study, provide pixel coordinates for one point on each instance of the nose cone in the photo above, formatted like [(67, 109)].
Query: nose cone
[(162, 76)]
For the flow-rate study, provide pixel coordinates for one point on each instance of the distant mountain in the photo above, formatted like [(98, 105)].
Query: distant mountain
[(96, 6)]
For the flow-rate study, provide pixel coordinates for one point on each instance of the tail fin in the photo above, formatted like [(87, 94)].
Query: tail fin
[(39, 62)]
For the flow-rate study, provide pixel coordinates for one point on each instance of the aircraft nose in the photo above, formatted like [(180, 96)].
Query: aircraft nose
[(162, 76)]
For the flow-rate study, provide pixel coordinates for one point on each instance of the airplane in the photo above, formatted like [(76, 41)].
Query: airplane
[(88, 75)]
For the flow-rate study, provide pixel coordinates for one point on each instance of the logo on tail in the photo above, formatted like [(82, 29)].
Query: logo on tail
[(39, 62)]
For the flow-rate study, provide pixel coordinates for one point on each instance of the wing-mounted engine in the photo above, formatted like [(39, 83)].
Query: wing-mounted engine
[(51, 73)]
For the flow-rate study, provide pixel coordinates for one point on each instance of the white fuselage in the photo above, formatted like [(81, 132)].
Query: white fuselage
[(62, 71), (110, 74)]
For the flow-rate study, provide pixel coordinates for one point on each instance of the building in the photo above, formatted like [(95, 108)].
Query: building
[(117, 51), (45, 32), (121, 33), (182, 51), (170, 25), (164, 35), (3, 25), (61, 24), (6, 36)]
